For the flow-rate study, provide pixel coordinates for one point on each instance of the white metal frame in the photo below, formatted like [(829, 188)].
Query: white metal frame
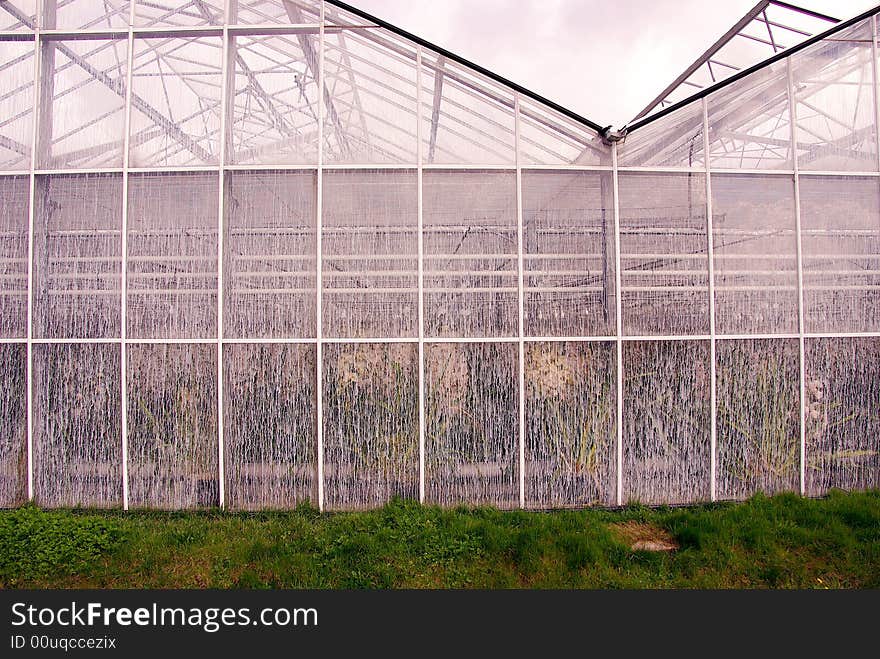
[(229, 33)]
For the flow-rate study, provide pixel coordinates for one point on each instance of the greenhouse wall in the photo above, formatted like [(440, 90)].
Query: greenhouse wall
[(261, 252)]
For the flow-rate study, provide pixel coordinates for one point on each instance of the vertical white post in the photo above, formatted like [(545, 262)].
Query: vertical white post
[(421, 266), (521, 309), (319, 384), (713, 403), (792, 111), (126, 144), (618, 320), (30, 262), (227, 91)]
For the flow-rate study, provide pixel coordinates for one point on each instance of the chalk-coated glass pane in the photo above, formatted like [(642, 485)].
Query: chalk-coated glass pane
[(175, 116), (172, 256), (370, 111), (842, 382), (13, 424), (466, 118), (471, 419), (755, 243), (840, 234), (172, 426), (470, 245), (78, 256), (14, 208), (371, 424), (571, 424), (77, 438), (269, 426), (664, 269), (277, 99), (81, 120), (666, 421), (16, 104), (370, 253), (758, 417), (568, 244), (270, 255)]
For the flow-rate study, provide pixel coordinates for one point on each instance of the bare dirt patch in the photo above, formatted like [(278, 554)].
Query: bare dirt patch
[(641, 536)]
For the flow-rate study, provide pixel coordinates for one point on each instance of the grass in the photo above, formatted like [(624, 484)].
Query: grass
[(777, 542)]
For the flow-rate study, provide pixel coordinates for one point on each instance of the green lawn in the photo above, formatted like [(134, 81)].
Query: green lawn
[(777, 542)]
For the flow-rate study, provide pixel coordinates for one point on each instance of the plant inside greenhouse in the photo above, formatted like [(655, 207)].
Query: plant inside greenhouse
[(255, 253)]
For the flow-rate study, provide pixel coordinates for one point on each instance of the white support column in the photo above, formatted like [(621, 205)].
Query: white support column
[(126, 143), (319, 265), (618, 321), (792, 111), (421, 266), (227, 91), (713, 403), (30, 262), (521, 310)]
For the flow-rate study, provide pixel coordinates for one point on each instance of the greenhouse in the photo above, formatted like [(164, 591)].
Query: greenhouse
[(261, 252)]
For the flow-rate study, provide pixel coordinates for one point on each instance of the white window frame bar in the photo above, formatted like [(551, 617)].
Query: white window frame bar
[(319, 281), (29, 378), (619, 339), (123, 317), (521, 386), (710, 243), (421, 275), (227, 93), (792, 113)]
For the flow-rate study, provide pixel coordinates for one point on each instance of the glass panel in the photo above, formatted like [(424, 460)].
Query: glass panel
[(835, 111), (270, 244), (172, 426), (16, 104), (675, 140), (82, 92), (549, 138), (755, 254), (666, 421), (85, 14), (842, 382), (172, 256), (269, 426), (758, 417), (471, 421), (840, 224), (14, 196), (78, 256), (18, 15), (277, 99), (370, 110), (466, 118), (370, 252), (568, 244), (178, 13), (750, 121), (371, 424), (175, 118), (663, 245), (13, 424), (470, 245), (268, 12), (77, 425), (571, 424)]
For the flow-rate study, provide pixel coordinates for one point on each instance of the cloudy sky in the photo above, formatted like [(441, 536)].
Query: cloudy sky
[(604, 60)]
